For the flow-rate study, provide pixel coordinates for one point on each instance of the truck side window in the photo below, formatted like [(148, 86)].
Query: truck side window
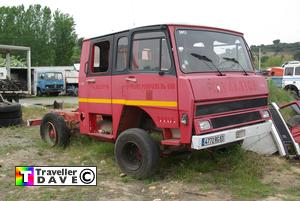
[(289, 71), (100, 57), (297, 71), (122, 53), (150, 52)]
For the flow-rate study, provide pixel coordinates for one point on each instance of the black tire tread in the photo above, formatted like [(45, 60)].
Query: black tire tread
[(9, 107), (10, 122), (62, 130), (150, 147)]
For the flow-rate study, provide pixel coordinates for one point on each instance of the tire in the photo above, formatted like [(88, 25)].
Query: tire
[(54, 130), (39, 92), (136, 153), (10, 122), (10, 114), (9, 107)]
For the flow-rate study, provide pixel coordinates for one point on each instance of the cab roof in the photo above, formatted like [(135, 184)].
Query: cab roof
[(164, 26)]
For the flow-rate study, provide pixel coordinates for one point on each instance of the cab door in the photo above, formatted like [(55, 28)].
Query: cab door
[(95, 88), (98, 80), (150, 80)]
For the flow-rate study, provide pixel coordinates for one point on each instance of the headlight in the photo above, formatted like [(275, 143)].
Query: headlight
[(204, 125), (265, 114)]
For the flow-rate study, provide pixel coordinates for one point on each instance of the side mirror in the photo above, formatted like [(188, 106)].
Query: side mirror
[(161, 72)]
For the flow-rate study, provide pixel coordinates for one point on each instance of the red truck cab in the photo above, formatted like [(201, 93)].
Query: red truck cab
[(194, 84)]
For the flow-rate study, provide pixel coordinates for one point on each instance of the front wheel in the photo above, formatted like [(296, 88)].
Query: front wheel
[(54, 130), (39, 92), (137, 153)]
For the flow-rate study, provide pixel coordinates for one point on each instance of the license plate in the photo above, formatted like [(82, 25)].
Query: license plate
[(213, 140), (240, 134)]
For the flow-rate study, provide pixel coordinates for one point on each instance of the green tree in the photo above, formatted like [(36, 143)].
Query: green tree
[(51, 37), (277, 47), (77, 51), (63, 38), (297, 56)]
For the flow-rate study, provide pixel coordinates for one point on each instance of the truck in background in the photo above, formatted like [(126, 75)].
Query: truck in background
[(71, 80), (49, 82), (44, 80), (291, 77), (15, 87)]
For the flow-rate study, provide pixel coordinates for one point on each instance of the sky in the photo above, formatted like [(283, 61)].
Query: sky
[(262, 21)]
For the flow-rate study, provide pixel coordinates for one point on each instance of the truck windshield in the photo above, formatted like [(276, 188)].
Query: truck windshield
[(222, 52), (53, 76)]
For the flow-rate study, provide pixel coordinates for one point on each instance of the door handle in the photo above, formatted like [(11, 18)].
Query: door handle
[(91, 80), (130, 79)]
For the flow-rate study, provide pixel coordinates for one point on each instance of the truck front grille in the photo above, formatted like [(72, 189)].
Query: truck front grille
[(220, 122), (54, 86), (230, 106)]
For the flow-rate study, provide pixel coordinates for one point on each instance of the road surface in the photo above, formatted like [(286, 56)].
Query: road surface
[(49, 100)]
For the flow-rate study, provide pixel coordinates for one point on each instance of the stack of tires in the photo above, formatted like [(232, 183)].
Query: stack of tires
[(10, 114)]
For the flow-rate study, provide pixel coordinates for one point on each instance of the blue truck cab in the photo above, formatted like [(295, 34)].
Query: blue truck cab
[(50, 83)]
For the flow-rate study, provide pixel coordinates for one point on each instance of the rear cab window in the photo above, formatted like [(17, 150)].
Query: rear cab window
[(122, 54)]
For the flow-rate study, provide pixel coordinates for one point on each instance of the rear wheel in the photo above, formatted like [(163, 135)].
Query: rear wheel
[(54, 130), (137, 153)]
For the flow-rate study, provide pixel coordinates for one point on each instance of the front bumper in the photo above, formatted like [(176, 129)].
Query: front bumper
[(252, 132), (51, 90)]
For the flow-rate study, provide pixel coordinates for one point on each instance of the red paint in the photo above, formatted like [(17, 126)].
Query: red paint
[(188, 90), (296, 129), (296, 133)]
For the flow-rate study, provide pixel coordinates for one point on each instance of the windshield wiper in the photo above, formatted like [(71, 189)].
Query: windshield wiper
[(205, 58), (237, 62)]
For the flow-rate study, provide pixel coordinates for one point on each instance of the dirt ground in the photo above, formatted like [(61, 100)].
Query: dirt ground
[(27, 149), (21, 146)]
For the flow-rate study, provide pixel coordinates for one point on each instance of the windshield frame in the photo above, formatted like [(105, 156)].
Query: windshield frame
[(237, 34)]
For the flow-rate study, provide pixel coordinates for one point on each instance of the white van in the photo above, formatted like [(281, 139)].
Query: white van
[(291, 77)]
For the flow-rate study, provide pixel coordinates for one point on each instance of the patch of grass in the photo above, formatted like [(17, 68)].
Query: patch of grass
[(88, 151), (70, 105), (9, 149), (231, 169), (33, 112), (294, 191), (278, 95)]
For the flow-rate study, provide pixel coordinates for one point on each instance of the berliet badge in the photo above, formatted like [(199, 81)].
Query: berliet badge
[(218, 88)]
